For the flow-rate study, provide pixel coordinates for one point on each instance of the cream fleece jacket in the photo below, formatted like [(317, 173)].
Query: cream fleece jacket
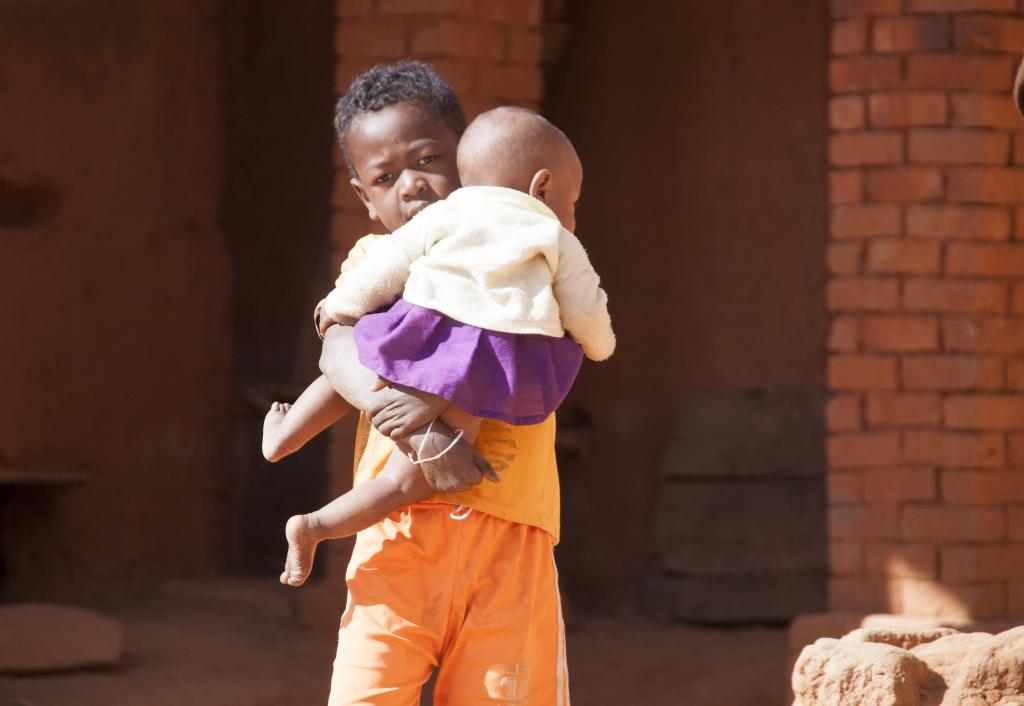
[(490, 257)]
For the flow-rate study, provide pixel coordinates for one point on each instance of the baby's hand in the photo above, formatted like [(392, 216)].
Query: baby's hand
[(398, 410), (325, 321), (272, 450)]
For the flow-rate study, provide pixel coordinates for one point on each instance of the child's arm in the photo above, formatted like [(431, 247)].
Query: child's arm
[(581, 301), (460, 469), (287, 428)]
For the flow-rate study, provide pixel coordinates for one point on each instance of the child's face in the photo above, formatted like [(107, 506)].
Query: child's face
[(404, 160)]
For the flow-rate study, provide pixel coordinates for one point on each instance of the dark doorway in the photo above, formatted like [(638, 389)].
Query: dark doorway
[(701, 127), (278, 88)]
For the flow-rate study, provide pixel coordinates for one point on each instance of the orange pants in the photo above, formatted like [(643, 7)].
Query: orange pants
[(476, 596)]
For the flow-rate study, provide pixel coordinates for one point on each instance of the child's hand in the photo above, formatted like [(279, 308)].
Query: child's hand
[(398, 410), (459, 469)]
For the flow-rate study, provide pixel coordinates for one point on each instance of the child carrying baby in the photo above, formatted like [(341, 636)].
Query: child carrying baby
[(485, 300)]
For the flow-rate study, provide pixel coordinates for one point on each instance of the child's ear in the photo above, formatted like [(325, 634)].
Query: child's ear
[(1018, 88), (360, 190), (540, 184)]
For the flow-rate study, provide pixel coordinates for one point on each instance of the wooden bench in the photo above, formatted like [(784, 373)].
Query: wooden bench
[(30, 557), (20, 477)]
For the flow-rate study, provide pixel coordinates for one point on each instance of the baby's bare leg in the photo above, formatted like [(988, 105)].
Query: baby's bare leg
[(287, 427), (339, 362), (401, 483)]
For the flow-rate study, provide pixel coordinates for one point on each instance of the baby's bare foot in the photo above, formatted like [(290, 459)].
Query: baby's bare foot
[(271, 431), (303, 536)]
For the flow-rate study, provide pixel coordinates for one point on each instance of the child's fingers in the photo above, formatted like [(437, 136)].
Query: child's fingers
[(275, 407), (486, 470)]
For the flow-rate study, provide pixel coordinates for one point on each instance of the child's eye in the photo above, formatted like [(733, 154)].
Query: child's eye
[(424, 161), (383, 179)]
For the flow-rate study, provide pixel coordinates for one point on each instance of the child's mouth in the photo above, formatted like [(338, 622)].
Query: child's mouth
[(415, 209)]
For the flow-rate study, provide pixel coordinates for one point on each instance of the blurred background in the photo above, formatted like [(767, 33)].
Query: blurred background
[(774, 195)]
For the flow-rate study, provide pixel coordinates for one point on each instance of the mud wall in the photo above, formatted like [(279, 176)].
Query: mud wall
[(114, 276)]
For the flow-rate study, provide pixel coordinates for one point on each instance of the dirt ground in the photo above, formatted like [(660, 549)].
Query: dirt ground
[(232, 644)]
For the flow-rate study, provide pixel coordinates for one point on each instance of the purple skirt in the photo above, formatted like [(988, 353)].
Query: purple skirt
[(516, 378)]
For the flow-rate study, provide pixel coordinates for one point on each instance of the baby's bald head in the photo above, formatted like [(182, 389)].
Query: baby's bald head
[(519, 149)]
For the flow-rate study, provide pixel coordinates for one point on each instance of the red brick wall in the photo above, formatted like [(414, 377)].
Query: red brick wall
[(489, 51), (926, 443)]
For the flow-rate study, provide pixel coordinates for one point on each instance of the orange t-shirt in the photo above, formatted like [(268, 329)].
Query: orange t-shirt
[(524, 457)]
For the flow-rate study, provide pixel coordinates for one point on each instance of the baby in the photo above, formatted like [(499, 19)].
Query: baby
[(470, 301)]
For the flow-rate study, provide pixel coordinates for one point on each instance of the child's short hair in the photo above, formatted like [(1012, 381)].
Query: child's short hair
[(388, 84)]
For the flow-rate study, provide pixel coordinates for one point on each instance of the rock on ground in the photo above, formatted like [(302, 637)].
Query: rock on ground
[(42, 637), (836, 672), (930, 667), (992, 673), (905, 639)]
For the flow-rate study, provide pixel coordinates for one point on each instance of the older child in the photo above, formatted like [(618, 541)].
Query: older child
[(475, 591), (489, 284)]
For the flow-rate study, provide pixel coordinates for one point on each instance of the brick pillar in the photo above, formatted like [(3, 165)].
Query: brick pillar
[(488, 50), (926, 424)]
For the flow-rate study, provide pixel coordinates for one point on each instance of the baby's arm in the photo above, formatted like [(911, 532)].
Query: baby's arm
[(581, 301), (379, 276), (287, 428), (400, 410), (396, 412)]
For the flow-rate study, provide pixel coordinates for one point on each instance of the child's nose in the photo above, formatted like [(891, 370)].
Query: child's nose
[(412, 185)]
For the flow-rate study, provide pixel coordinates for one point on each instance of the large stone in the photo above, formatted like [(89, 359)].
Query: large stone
[(42, 637), (944, 657), (954, 669), (992, 671), (904, 639), (840, 673)]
